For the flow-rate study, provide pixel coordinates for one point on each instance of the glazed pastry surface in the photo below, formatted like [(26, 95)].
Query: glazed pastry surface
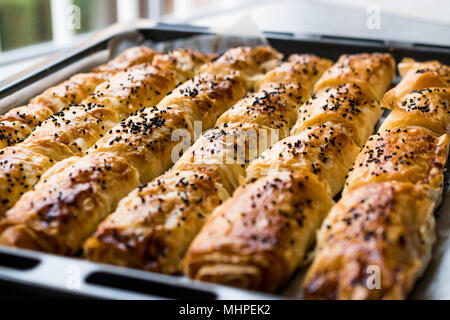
[(75, 129), (428, 108), (143, 143), (370, 71), (262, 234), (19, 122), (258, 237), (384, 228), (384, 222), (155, 224), (417, 76), (411, 154)]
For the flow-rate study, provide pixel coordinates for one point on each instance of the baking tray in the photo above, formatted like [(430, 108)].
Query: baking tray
[(40, 274)]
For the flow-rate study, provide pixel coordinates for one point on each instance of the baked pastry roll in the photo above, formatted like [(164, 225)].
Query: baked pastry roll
[(59, 213), (280, 93), (428, 108), (305, 69), (153, 226), (257, 238), (126, 59), (377, 240), (416, 76), (204, 98), (407, 153), (73, 130), (227, 151), (260, 236), (347, 105), (18, 123), (256, 121), (324, 150), (374, 244), (148, 136), (162, 225), (373, 72), (263, 58)]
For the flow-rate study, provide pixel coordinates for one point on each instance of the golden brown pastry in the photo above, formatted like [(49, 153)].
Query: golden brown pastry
[(263, 59), (372, 72), (146, 138), (412, 143), (416, 76), (257, 238), (305, 69), (374, 244), (226, 151), (280, 93), (204, 99), (144, 144), (377, 240), (260, 236), (150, 227), (428, 108), (154, 225), (324, 150), (73, 130), (56, 215), (18, 122), (406, 153), (126, 59), (256, 121), (347, 105)]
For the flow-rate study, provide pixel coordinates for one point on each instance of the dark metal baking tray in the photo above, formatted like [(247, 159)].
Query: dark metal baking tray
[(40, 274)]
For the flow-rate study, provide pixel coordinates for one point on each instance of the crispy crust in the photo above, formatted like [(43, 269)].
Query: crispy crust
[(227, 151), (148, 141), (21, 169), (428, 108), (128, 58), (260, 236), (73, 130), (383, 226), (218, 157), (305, 69), (147, 137), (257, 238), (411, 154), (417, 75), (386, 227), (68, 202), (347, 105), (323, 149), (372, 72), (280, 93), (18, 123), (152, 227), (245, 61)]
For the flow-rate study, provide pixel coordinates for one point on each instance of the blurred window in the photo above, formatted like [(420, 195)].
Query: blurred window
[(30, 28), (24, 22)]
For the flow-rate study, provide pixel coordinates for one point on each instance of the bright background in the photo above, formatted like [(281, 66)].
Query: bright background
[(32, 29)]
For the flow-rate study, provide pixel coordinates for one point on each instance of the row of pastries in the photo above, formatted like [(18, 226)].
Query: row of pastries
[(19, 122), (76, 128), (98, 170), (78, 192), (378, 239), (154, 225), (260, 236)]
